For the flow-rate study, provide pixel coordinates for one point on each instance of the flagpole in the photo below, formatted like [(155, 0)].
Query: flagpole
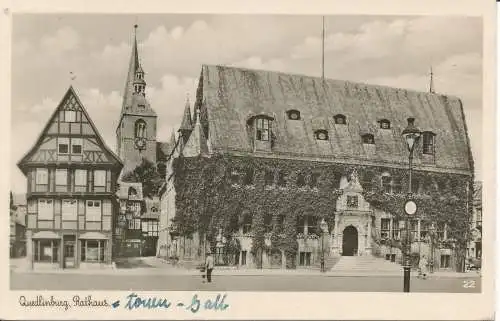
[(323, 49)]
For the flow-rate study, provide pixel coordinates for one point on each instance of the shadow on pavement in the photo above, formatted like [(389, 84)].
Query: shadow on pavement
[(131, 263)]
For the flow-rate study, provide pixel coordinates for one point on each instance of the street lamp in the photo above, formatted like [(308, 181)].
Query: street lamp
[(324, 230), (431, 241), (411, 135)]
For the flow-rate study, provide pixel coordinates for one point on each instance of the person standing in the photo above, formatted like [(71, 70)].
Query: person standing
[(209, 266)]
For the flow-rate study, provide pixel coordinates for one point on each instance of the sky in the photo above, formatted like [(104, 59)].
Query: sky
[(386, 50)]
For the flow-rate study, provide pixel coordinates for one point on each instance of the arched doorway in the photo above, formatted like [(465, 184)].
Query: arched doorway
[(350, 241)]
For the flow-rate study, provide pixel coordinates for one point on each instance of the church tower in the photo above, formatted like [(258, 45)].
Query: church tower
[(136, 131)]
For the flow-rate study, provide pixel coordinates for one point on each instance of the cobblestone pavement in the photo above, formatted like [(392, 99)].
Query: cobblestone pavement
[(58, 281)]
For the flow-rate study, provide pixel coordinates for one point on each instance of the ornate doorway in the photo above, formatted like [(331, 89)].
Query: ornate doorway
[(350, 241)]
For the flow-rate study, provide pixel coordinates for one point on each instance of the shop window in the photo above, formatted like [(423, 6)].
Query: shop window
[(46, 251), (92, 251)]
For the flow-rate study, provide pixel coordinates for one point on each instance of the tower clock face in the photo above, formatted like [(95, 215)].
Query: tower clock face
[(140, 143)]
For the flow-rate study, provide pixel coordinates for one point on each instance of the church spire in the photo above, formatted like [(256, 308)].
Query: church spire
[(187, 122)]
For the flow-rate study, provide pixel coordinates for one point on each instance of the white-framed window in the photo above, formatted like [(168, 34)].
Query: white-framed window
[(93, 211), (46, 251), (69, 210), (42, 176), (70, 116), (100, 178), (76, 146), (63, 145), (61, 177), (263, 127), (45, 209), (80, 177), (93, 251)]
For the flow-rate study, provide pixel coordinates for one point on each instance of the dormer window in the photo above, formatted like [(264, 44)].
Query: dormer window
[(428, 143), (368, 139), (293, 114), (262, 129), (385, 124), (340, 119), (321, 134), (132, 192)]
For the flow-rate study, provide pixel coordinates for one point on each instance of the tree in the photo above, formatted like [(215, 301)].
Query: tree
[(147, 174)]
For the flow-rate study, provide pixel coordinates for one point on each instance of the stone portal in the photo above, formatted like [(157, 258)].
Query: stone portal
[(350, 241)]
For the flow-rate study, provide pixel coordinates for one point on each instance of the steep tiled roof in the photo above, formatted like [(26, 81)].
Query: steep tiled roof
[(233, 95)]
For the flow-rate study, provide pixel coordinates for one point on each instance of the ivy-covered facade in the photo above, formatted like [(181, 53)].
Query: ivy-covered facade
[(255, 172)]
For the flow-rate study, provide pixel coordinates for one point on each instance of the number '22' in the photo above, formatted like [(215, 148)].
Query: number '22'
[(469, 284)]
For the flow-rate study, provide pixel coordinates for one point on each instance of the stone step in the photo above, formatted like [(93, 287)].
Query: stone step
[(365, 263)]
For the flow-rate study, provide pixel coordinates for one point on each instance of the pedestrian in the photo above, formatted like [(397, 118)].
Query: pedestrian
[(209, 266), (422, 265)]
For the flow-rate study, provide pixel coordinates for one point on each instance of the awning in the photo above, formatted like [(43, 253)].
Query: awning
[(45, 235), (93, 236)]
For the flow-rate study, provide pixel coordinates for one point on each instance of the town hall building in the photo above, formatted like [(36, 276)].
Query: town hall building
[(267, 159)]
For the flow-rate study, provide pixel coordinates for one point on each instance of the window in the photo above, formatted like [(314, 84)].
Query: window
[(340, 119), (385, 227), (248, 178), (140, 129), (301, 223), (414, 229), (269, 177), (282, 179), (46, 251), (395, 229), (268, 223), (445, 261), (92, 251), (424, 229), (397, 187), (80, 177), (134, 224), (368, 139), (440, 229), (76, 145), (93, 211), (367, 181), (352, 201), (100, 178), (385, 124), (61, 177), (69, 210), (321, 134), (428, 143), (45, 209), (263, 126), (235, 177), (247, 224), (70, 116), (42, 179), (63, 145), (313, 182), (305, 258), (132, 192), (293, 114), (386, 184), (301, 180), (312, 225)]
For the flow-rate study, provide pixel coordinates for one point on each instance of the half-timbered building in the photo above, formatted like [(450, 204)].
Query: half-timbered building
[(71, 175)]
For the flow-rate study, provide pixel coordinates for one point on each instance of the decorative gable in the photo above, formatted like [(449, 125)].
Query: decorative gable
[(69, 136)]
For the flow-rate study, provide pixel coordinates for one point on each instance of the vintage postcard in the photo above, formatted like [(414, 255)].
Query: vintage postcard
[(329, 162)]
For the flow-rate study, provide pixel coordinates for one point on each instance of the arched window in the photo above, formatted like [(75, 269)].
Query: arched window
[(293, 114), (385, 124), (340, 119), (368, 139), (386, 183), (428, 146), (140, 129), (321, 134)]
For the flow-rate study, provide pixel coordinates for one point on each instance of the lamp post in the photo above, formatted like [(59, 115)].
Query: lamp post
[(431, 241), (411, 135), (324, 229)]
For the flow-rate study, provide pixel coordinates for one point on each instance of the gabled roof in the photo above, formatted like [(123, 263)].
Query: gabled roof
[(197, 142), (233, 95), (70, 94)]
